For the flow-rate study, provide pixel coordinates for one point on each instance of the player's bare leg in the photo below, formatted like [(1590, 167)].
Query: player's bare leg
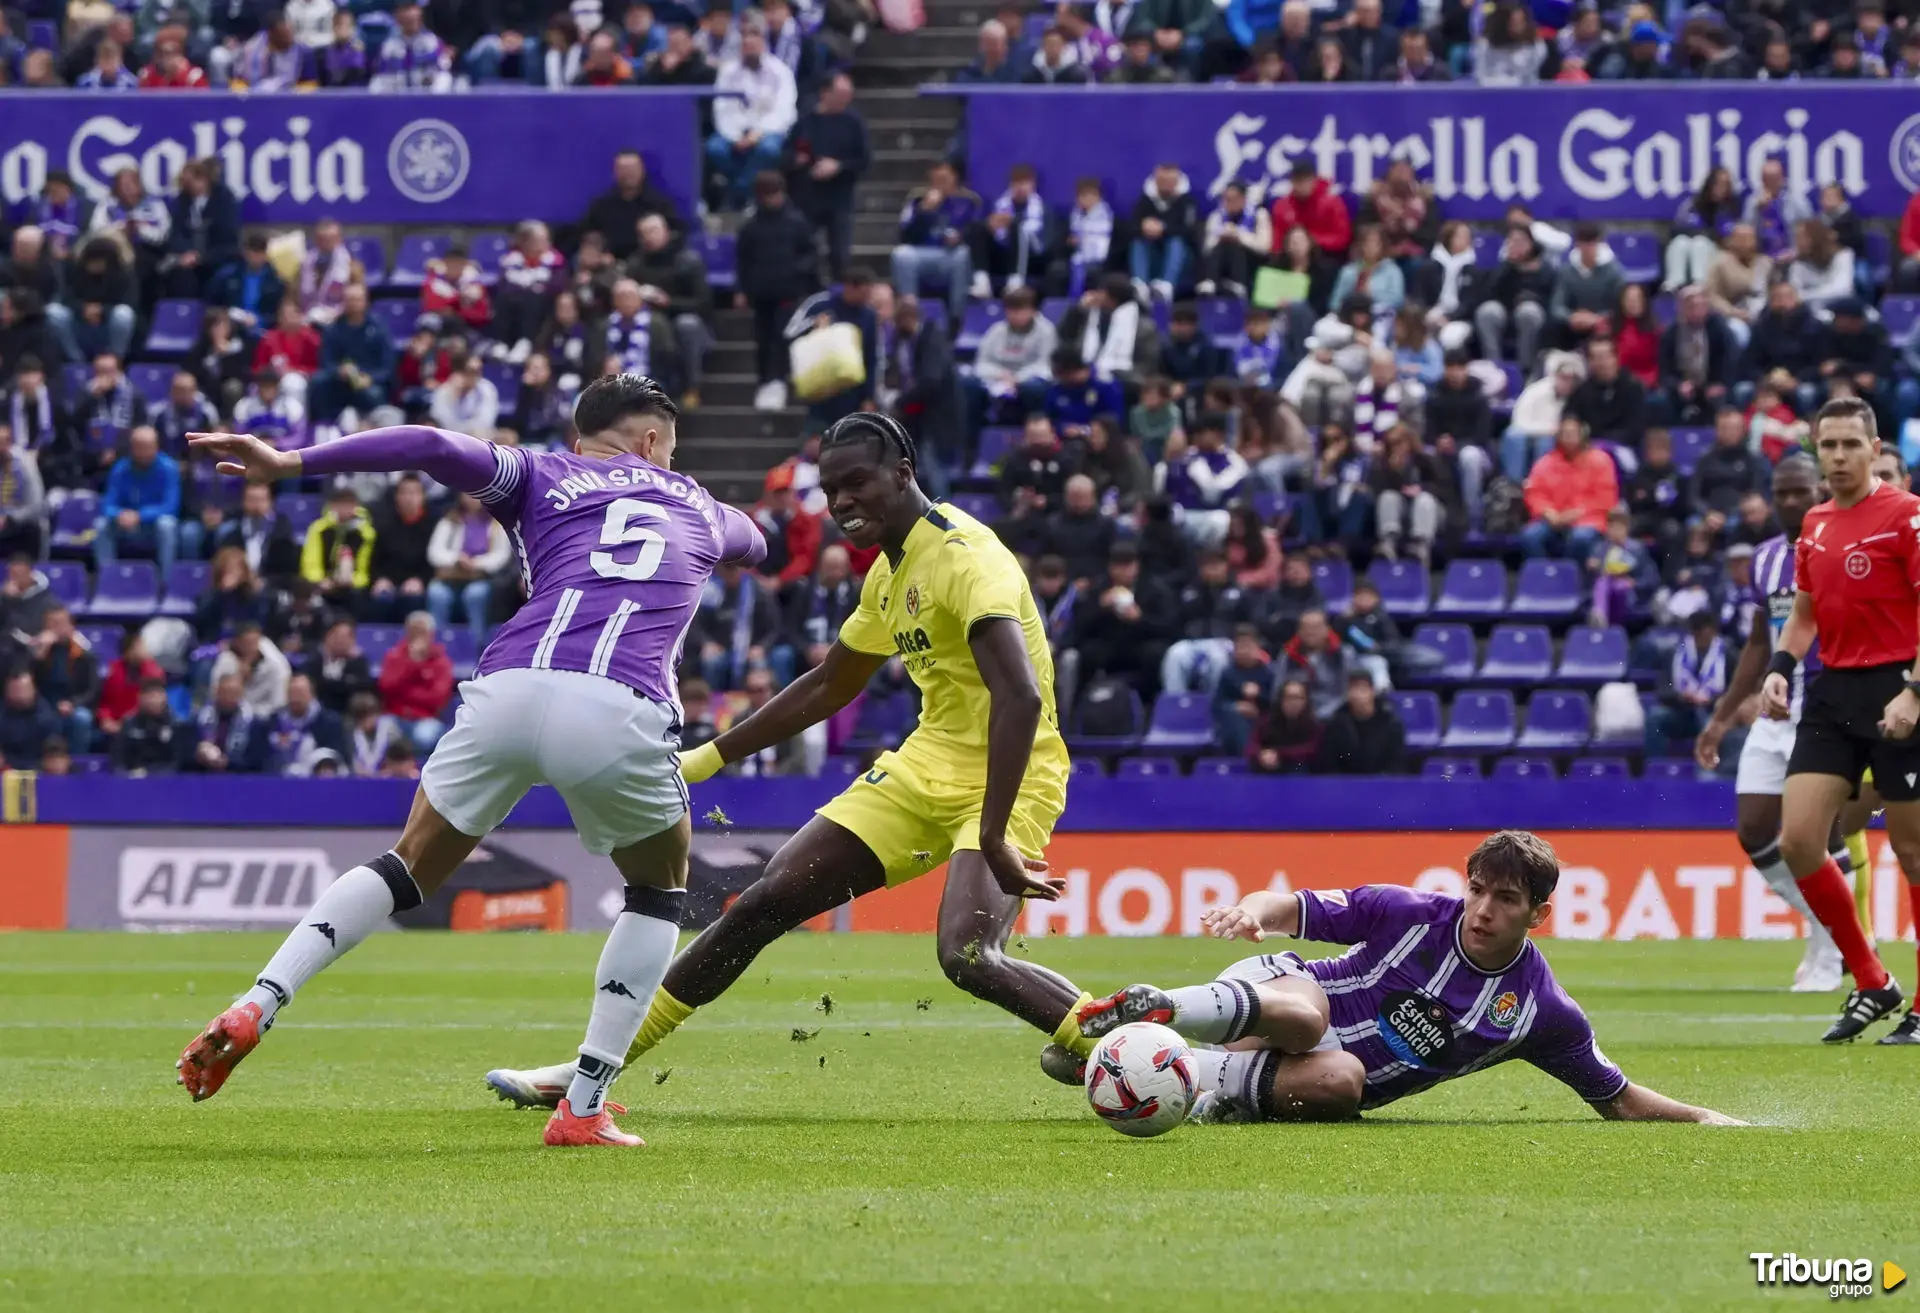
[(1903, 835), (430, 850), (1809, 809), (1757, 826)]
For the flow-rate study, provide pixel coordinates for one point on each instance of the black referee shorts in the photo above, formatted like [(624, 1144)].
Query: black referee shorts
[(1839, 732)]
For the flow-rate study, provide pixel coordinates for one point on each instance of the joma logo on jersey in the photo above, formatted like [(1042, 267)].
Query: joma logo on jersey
[(907, 642)]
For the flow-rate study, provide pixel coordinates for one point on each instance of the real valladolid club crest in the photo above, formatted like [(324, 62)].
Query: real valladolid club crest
[(428, 161), (1504, 1010), (912, 602)]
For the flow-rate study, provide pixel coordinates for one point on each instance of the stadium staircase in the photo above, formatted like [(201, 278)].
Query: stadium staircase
[(729, 445)]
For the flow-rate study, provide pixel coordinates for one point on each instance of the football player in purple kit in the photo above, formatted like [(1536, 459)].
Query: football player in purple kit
[(1433, 988), (577, 690)]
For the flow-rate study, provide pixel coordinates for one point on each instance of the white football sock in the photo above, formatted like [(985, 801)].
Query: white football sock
[(1235, 1077), (1217, 1012), (350, 909), (1773, 869), (632, 965)]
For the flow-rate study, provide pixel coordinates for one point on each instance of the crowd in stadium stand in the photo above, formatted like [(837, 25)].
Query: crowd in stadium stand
[(1269, 459)]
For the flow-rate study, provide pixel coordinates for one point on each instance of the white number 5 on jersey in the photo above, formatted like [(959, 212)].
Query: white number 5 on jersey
[(620, 529)]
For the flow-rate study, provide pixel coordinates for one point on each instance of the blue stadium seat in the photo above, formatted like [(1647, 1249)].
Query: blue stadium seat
[(461, 651), (377, 640), (1663, 310), (1419, 712), (73, 527), (1598, 768), (1523, 768), (1089, 768), (1518, 654), (1405, 588), (1181, 722), (1901, 314), (995, 443), (1548, 588), (1215, 766), (68, 582), (982, 506), (1055, 308), (371, 252), (1135, 716), (397, 318), (1223, 319), (506, 381), (125, 588), (1482, 721), (1671, 768), (487, 249), (1557, 722), (71, 382), (1879, 253), (981, 316), (92, 763), (716, 251), (1454, 643), (1146, 768), (185, 582), (1335, 578), (1688, 446), (300, 509), (410, 261), (1487, 244), (151, 382), (174, 327), (1593, 656), (1472, 590), (42, 35), (105, 642), (840, 768), (1450, 768), (1638, 254)]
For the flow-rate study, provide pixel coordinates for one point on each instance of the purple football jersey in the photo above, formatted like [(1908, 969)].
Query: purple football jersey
[(1411, 1006), (614, 552)]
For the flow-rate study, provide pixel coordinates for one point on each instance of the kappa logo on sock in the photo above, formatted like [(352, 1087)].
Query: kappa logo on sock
[(325, 929), (615, 987)]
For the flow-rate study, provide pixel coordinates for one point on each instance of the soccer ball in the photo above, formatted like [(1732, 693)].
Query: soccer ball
[(1141, 1079)]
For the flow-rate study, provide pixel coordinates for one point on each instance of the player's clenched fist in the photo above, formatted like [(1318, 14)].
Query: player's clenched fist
[(1232, 923), (1774, 697)]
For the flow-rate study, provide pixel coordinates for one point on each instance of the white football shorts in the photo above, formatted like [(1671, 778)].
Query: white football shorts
[(1763, 761), (610, 753), (1278, 966)]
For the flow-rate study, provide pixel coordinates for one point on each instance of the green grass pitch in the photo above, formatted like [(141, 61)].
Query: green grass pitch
[(899, 1158)]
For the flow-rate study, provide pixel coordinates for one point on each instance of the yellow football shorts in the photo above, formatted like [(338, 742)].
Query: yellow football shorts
[(913, 821)]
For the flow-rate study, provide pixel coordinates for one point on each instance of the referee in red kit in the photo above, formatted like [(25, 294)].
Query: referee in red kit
[(1857, 577)]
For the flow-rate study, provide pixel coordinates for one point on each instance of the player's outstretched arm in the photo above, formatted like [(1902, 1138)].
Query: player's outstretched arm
[(1013, 717), (464, 463), (1747, 674), (1637, 1103), (805, 702), (1253, 918)]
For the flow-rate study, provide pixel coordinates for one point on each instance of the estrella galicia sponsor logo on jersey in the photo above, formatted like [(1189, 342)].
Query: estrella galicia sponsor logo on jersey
[(1504, 1010), (910, 641), (221, 885), (1416, 1027)]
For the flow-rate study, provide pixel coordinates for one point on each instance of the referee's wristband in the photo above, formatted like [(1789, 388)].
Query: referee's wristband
[(703, 763), (1783, 664)]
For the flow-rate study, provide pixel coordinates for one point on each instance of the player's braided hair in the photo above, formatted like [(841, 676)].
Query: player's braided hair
[(871, 426)]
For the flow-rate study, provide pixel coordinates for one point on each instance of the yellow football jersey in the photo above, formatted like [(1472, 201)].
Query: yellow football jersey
[(953, 572)]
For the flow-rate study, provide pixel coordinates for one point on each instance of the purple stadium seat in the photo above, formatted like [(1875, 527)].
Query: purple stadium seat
[(1901, 314), (1638, 254), (1487, 246), (1335, 578), (397, 318), (185, 582), (995, 443), (174, 327), (1688, 446), (301, 509), (461, 651), (1593, 656), (72, 380), (410, 261), (717, 251), (1557, 722), (105, 642), (1181, 722), (151, 382), (68, 582), (982, 506), (487, 250), (981, 316), (1879, 253), (1454, 643), (1267, 504), (1548, 588), (1670, 768), (1482, 721), (372, 255), (42, 35), (1405, 589), (1210, 766), (1663, 310), (506, 381), (1420, 713), (840, 768), (1473, 590), (1089, 768), (1055, 308), (377, 640), (1518, 654), (883, 722), (1523, 768), (1450, 768), (1598, 768), (1135, 714), (1146, 768), (125, 588), (92, 763), (73, 526), (1516, 380), (1222, 318)]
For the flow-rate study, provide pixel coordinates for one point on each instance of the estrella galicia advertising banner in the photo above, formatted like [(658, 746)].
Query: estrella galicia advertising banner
[(1627, 151), (493, 157)]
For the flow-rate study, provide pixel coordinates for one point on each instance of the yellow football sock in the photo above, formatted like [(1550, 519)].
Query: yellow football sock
[(1068, 1036), (664, 1016), (1862, 879)]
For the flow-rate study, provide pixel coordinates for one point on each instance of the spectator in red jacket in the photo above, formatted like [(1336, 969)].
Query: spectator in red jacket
[(416, 679), (1906, 277), (170, 69), (291, 349), (793, 536), (1312, 204), (1569, 493), (120, 690), (456, 289)]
